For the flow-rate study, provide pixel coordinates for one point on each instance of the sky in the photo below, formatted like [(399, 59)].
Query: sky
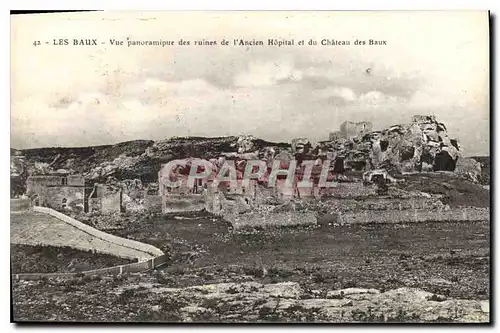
[(434, 63)]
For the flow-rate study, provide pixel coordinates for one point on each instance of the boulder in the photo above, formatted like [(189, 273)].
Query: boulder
[(468, 168)]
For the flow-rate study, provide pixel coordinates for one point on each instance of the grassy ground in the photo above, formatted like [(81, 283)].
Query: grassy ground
[(49, 259)]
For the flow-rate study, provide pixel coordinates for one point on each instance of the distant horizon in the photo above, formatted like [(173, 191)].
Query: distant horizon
[(193, 136)]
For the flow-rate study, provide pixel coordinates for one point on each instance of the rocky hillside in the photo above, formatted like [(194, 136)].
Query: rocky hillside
[(422, 145), (140, 159)]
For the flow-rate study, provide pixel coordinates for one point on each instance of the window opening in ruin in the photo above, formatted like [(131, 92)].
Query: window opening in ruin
[(64, 181), (64, 201)]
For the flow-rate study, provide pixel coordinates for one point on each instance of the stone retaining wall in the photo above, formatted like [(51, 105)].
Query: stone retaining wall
[(146, 248), (115, 270), (176, 203), (350, 190), (381, 204), (408, 216), (291, 218)]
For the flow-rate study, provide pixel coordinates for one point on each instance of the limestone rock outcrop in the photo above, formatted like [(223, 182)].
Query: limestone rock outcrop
[(422, 145)]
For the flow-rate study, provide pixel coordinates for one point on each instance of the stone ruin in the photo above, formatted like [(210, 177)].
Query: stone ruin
[(349, 129), (420, 146)]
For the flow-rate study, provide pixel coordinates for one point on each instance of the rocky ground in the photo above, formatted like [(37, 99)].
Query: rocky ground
[(138, 298), (50, 259), (414, 272), (455, 191)]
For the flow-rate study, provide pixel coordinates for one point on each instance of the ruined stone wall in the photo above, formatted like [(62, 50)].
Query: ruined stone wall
[(410, 216), (152, 203), (254, 219), (34, 183), (349, 190), (75, 180), (53, 197), (111, 203), (378, 204), (174, 203), (350, 129), (334, 135), (19, 205)]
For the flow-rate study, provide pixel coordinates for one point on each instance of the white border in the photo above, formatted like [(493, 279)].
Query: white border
[(492, 5)]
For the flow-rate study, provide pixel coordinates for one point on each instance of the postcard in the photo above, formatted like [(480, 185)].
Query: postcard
[(250, 167)]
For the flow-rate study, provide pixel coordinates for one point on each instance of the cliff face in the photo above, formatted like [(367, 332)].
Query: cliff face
[(421, 145)]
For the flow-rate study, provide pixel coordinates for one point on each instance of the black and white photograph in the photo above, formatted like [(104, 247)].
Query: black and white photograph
[(250, 167)]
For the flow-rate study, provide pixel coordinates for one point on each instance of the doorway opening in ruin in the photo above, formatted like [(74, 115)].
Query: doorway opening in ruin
[(338, 166)]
